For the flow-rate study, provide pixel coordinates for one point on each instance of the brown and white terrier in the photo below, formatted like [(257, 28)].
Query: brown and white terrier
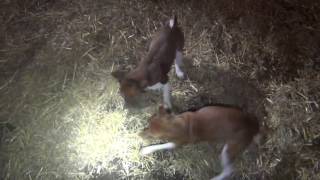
[(152, 71), (211, 123)]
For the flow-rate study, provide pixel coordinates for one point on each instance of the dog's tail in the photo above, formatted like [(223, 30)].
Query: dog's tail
[(173, 23)]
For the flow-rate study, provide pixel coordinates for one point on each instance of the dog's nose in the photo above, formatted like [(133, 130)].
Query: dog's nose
[(128, 105), (130, 102)]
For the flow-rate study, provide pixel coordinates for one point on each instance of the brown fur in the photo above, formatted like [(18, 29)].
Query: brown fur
[(211, 123), (154, 67)]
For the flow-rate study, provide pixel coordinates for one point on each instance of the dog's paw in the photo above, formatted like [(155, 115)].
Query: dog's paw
[(180, 74), (168, 105), (145, 151)]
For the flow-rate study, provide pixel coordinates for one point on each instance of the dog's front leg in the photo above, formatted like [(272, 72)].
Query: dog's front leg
[(167, 95), (153, 148), (178, 64)]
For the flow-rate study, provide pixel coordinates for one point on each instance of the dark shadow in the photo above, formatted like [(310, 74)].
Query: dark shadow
[(219, 86), (277, 38)]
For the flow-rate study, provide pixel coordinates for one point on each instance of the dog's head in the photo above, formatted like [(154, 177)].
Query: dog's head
[(164, 125), (130, 89)]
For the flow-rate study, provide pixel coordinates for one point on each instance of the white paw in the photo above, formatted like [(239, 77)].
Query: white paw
[(219, 177), (222, 176), (167, 105), (216, 178), (157, 86), (146, 150), (180, 74)]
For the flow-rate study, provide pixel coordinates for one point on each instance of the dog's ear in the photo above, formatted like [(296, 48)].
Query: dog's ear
[(119, 74), (135, 83)]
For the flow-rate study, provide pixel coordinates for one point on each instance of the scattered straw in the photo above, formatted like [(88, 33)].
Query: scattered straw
[(61, 116)]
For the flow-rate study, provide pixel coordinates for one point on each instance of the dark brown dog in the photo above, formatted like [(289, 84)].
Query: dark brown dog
[(152, 71)]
